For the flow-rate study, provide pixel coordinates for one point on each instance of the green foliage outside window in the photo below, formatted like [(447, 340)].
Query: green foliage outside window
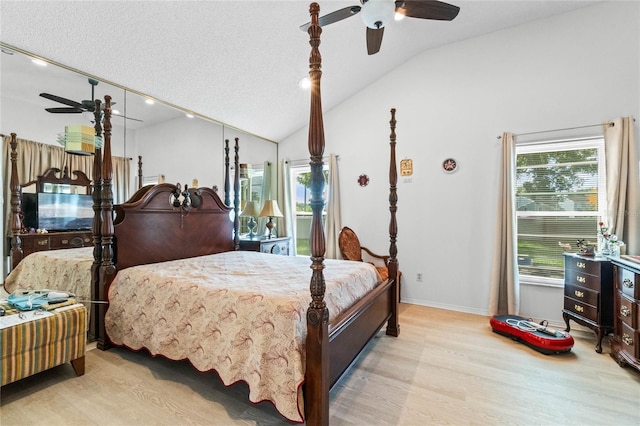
[(557, 204)]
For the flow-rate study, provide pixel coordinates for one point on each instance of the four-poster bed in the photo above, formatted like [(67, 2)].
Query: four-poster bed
[(162, 262)]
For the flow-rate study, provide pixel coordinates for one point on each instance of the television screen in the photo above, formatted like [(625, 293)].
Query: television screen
[(58, 212)]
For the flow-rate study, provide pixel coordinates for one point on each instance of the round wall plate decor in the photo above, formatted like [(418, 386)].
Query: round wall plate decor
[(449, 165)]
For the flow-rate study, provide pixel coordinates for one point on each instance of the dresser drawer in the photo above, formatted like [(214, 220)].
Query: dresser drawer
[(629, 340), (628, 282), (281, 248), (69, 241), (581, 294), (35, 243), (582, 279), (583, 266), (627, 311), (585, 310)]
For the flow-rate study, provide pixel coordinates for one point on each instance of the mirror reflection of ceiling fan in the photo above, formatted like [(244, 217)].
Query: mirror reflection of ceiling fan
[(376, 14), (74, 107)]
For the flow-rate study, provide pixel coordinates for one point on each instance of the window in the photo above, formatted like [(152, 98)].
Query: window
[(251, 178), (300, 180), (560, 198)]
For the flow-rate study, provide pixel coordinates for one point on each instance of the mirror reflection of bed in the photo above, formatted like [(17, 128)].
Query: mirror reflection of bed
[(169, 278)]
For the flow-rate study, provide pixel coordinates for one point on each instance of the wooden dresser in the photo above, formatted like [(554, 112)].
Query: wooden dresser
[(588, 294), (625, 344), (55, 241), (276, 245)]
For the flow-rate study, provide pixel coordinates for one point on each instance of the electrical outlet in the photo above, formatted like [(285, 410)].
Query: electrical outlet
[(419, 277)]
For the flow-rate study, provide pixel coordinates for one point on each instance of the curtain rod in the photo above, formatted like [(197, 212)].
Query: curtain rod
[(611, 124)]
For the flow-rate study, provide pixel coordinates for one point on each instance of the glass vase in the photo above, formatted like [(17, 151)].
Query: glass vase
[(614, 249), (603, 246)]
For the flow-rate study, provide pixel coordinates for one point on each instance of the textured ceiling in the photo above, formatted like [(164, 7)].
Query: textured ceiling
[(238, 62)]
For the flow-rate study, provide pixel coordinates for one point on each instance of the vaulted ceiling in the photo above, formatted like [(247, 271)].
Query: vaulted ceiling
[(238, 62)]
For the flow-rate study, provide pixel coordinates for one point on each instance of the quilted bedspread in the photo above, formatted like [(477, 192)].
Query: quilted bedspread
[(67, 270), (242, 314)]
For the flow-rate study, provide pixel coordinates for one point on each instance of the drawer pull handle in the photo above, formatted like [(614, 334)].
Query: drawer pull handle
[(581, 265), (65, 241), (578, 308), (625, 311), (42, 242), (581, 279), (578, 293), (627, 339), (627, 283)]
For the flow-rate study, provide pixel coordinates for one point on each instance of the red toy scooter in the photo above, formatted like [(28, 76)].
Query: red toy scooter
[(537, 336)]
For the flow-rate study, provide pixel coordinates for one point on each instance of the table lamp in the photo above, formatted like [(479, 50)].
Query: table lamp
[(250, 210), (270, 210)]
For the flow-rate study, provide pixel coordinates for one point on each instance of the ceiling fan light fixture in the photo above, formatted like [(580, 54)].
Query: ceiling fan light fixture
[(304, 83), (377, 13)]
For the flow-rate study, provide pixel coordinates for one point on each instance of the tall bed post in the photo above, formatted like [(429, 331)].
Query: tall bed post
[(317, 380), (227, 199), (16, 223), (106, 270), (96, 193), (236, 196), (139, 171), (393, 327)]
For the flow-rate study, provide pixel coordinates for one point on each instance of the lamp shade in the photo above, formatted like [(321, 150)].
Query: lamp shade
[(271, 209), (250, 209), (79, 140)]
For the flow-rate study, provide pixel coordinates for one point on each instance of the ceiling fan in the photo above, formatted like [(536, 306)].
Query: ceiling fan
[(78, 107), (376, 14)]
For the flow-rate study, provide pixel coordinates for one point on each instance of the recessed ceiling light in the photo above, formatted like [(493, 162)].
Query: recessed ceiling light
[(39, 62), (304, 83), (149, 101)]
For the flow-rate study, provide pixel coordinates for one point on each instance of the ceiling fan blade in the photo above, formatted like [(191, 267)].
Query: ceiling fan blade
[(427, 9), (333, 17), (61, 100), (65, 110), (374, 40)]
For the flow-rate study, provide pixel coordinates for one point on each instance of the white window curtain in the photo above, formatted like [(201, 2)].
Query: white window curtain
[(334, 221), (286, 203), (623, 182), (266, 195), (504, 297)]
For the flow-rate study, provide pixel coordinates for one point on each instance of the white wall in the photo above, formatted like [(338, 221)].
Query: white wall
[(186, 149), (570, 70)]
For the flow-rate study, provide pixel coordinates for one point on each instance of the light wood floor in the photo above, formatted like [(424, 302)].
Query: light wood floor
[(445, 368)]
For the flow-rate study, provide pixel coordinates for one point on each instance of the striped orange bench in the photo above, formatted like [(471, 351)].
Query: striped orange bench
[(34, 346)]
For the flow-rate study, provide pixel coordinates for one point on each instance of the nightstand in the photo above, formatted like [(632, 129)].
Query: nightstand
[(588, 294), (276, 245)]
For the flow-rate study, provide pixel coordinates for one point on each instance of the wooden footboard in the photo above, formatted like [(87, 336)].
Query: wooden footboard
[(351, 332)]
